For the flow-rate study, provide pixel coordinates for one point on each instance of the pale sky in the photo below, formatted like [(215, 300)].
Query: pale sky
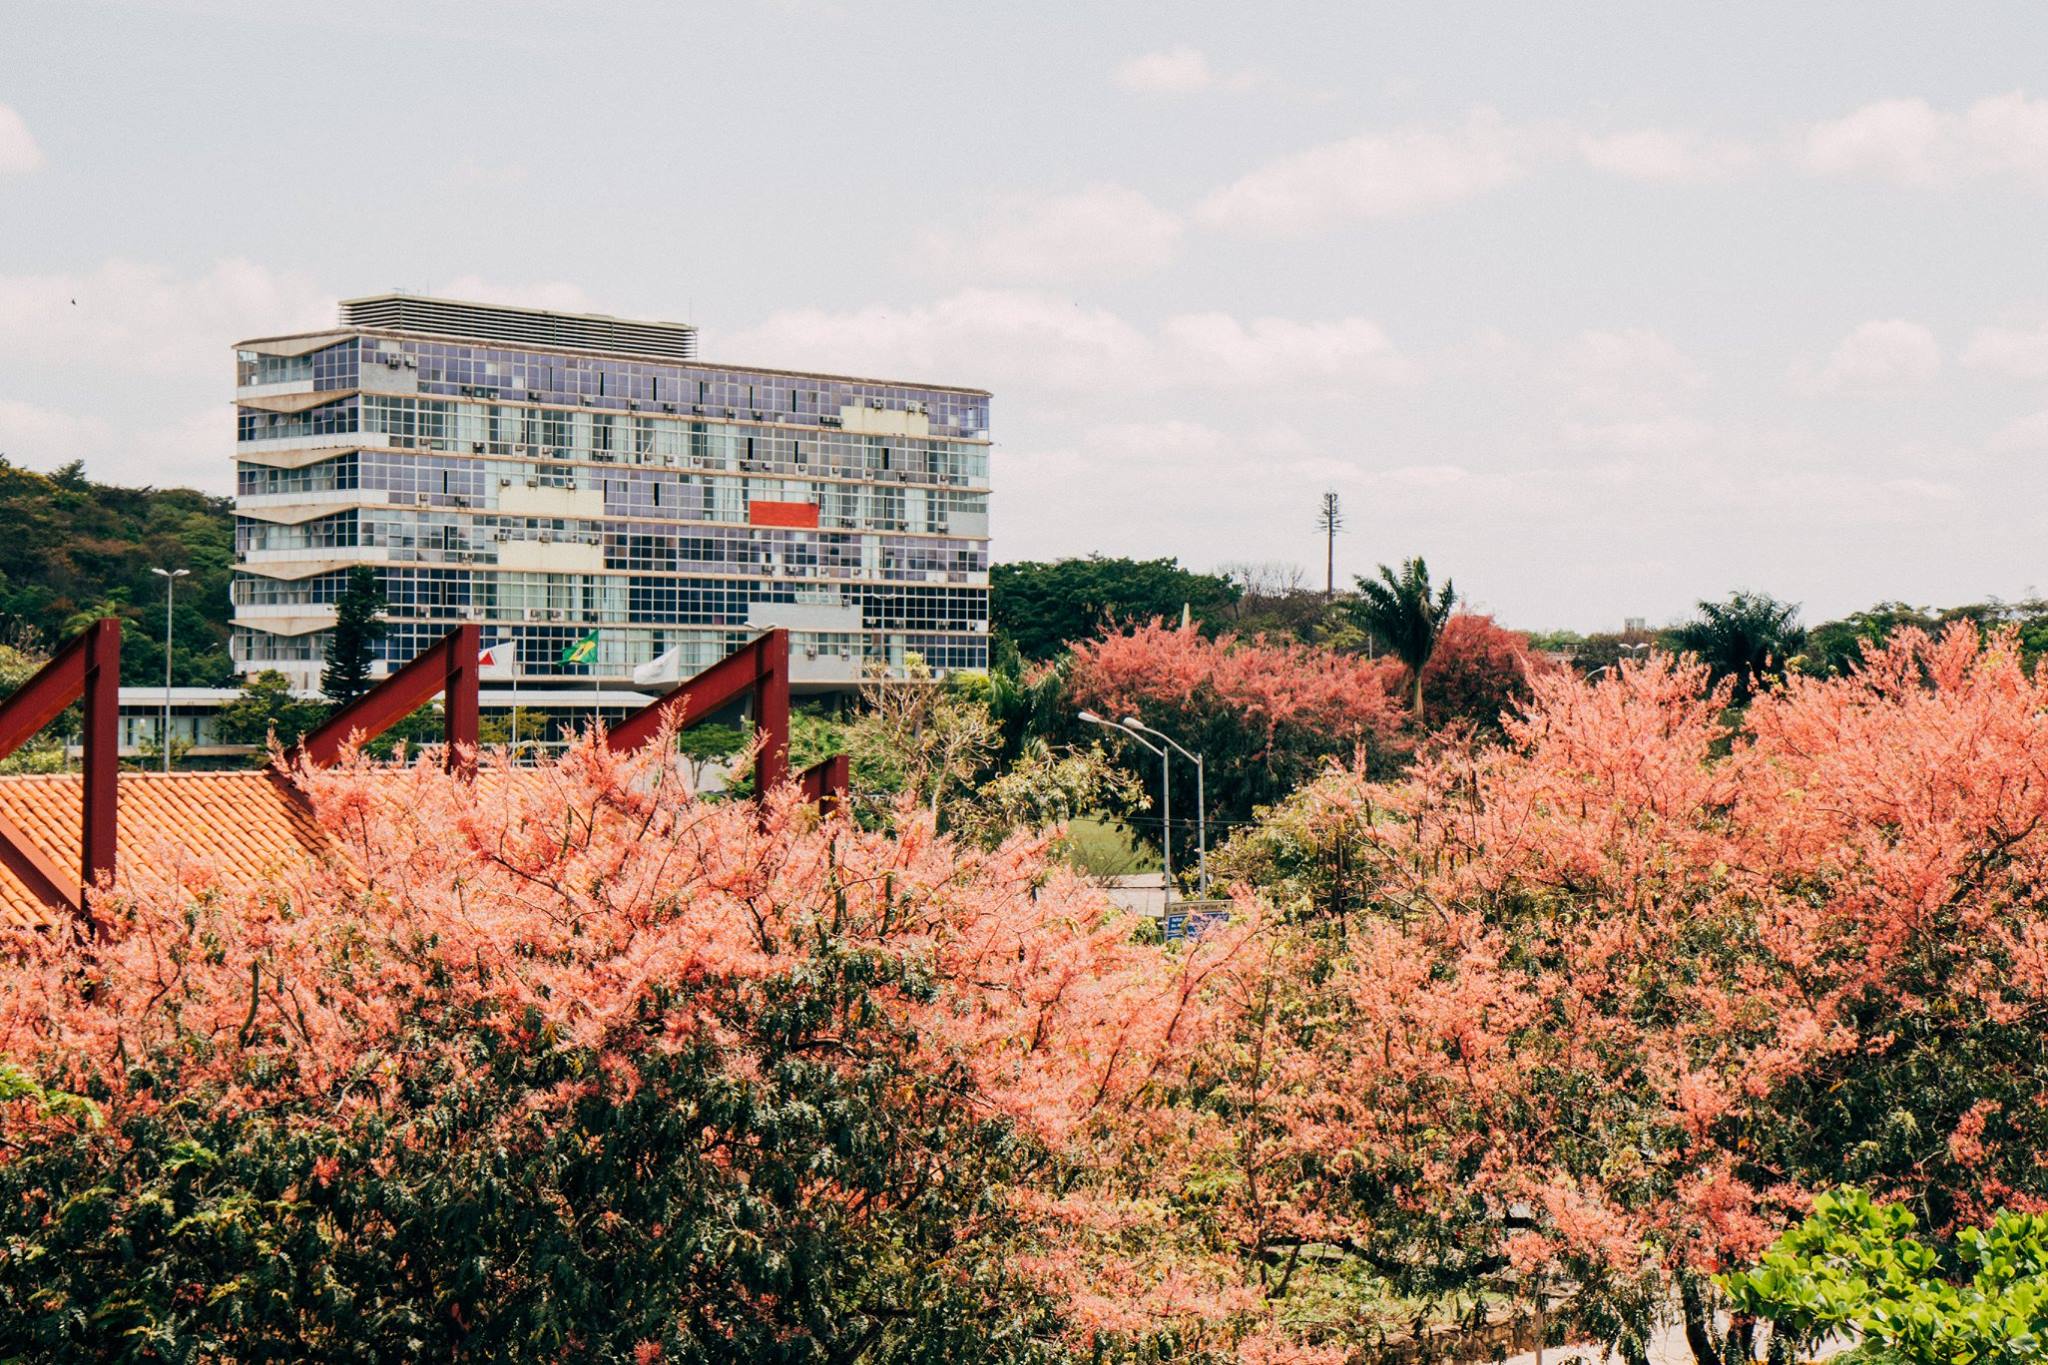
[(1602, 307)]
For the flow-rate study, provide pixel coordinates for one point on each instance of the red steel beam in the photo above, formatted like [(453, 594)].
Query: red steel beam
[(825, 784), (88, 666), (760, 667), (447, 667)]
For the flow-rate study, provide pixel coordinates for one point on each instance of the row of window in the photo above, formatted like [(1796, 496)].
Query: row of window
[(480, 429), (421, 537), (452, 482), (466, 369), (446, 593), (620, 649)]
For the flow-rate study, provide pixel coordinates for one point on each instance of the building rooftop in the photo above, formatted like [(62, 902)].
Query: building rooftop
[(255, 824), (545, 330), (520, 326)]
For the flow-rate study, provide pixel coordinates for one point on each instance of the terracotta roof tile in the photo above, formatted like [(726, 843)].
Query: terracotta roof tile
[(252, 823)]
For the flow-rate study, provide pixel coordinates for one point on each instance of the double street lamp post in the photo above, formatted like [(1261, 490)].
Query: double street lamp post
[(1132, 726), (170, 578)]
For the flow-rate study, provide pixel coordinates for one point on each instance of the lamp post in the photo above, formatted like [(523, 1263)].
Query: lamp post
[(1201, 802), (1165, 791), (170, 578)]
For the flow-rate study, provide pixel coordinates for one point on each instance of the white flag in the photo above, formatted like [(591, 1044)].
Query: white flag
[(665, 667), (499, 660)]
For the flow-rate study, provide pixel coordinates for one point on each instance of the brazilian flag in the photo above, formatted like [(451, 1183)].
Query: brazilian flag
[(583, 651)]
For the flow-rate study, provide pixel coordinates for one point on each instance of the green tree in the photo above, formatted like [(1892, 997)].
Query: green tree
[(358, 626), (1040, 607), (267, 707), (1407, 612), (1854, 1265), (1752, 637)]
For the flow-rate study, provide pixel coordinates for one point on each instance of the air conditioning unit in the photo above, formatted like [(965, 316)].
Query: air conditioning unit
[(476, 447), (532, 613), (533, 483), (632, 405), (696, 407), (532, 396), (518, 450), (547, 537), (668, 407), (411, 364), (875, 403), (730, 413), (504, 483)]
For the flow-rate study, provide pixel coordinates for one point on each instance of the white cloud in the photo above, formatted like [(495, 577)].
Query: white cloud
[(1627, 372), (194, 450), (1880, 356), (1375, 175), (18, 151), (1041, 341), (1104, 230), (1911, 142), (1280, 351), (1663, 436), (1178, 70), (2021, 436), (1672, 157), (2016, 351), (132, 317), (43, 438)]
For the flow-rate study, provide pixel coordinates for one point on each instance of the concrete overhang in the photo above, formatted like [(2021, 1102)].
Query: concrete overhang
[(293, 402), (292, 346)]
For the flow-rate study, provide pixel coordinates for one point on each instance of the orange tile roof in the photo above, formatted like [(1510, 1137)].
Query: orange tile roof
[(251, 822)]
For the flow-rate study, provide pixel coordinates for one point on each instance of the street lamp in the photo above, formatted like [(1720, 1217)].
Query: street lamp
[(1165, 791), (170, 578), (1201, 803)]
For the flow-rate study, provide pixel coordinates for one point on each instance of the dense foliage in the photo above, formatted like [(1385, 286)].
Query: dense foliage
[(1478, 672), (1749, 639), (571, 1066), (1647, 990), (1039, 608), (1266, 715), (75, 550)]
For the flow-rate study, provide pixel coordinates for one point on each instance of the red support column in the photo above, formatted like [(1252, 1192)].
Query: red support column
[(448, 667), (460, 687), (102, 687), (88, 666), (771, 711), (825, 784)]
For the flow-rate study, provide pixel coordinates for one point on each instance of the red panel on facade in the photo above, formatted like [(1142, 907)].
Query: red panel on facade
[(801, 514)]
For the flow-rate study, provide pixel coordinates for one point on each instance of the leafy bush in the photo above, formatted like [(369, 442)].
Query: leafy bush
[(1854, 1265)]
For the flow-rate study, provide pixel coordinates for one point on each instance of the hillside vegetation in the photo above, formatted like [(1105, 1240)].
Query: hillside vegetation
[(75, 549)]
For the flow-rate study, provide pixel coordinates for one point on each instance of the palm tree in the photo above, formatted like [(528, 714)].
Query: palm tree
[(1749, 638), (1403, 610)]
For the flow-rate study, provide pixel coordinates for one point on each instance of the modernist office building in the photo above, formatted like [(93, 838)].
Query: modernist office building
[(549, 474)]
